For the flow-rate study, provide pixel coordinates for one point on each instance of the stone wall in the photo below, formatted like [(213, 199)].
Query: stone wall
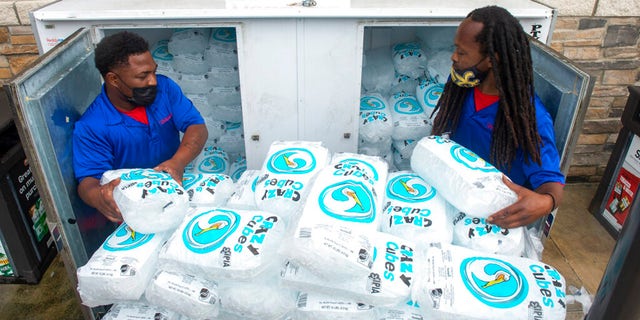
[(17, 44), (601, 36)]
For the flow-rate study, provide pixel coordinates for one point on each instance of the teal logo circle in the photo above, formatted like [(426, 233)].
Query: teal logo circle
[(369, 103), (432, 94), (161, 51), (208, 230), (409, 188), (224, 34), (408, 105), (125, 238), (348, 201), (215, 163), (190, 179), (471, 160), (291, 161), (139, 174), (494, 282)]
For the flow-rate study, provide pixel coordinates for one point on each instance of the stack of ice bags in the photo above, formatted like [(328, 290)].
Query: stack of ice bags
[(287, 174), (487, 286), (402, 72), (237, 260), (204, 62)]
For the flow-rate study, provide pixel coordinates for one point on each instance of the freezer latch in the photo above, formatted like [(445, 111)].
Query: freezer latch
[(309, 3), (304, 3)]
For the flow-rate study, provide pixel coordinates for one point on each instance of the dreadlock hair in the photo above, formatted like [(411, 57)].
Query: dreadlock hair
[(114, 50), (507, 45)]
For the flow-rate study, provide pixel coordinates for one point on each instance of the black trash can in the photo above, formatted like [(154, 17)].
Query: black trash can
[(617, 207), (26, 246)]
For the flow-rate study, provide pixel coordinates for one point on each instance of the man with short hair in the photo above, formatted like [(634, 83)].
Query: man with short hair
[(135, 122)]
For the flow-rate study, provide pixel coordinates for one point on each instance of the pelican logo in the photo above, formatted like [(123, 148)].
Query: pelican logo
[(207, 231), (470, 160), (432, 94), (369, 103), (139, 174), (161, 51), (409, 188), (125, 238), (213, 164), (348, 201), (408, 105), (190, 179), (224, 35), (291, 161), (494, 282)]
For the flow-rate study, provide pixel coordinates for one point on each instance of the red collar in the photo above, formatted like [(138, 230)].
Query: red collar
[(483, 100)]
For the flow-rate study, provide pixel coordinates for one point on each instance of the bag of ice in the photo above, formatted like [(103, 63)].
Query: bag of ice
[(466, 181), (150, 201)]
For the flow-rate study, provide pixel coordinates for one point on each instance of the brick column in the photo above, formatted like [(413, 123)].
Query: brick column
[(607, 48), (17, 44)]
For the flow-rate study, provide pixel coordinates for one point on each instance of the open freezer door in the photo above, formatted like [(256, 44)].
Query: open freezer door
[(47, 99), (565, 91)]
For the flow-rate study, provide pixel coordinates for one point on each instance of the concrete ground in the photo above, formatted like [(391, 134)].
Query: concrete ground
[(579, 247)]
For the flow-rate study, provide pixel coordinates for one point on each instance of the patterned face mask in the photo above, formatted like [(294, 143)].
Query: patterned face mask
[(469, 77)]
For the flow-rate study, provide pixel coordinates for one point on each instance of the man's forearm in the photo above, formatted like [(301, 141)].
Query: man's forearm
[(191, 145)]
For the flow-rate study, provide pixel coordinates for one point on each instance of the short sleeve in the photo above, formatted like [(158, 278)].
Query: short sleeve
[(184, 112), (92, 153)]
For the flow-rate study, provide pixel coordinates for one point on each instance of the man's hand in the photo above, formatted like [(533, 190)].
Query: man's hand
[(100, 197), (173, 168), (190, 147), (529, 207)]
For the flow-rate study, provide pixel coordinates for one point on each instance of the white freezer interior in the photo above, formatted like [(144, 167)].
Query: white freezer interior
[(275, 104)]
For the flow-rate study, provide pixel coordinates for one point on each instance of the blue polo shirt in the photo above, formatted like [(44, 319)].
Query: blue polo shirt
[(106, 139), (474, 132)]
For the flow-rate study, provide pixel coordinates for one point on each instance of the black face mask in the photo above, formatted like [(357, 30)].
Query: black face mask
[(469, 77), (143, 96)]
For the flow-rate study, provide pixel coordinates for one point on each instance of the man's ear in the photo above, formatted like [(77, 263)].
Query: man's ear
[(111, 78)]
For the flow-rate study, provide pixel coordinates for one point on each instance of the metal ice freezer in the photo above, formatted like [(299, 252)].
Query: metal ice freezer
[(300, 72)]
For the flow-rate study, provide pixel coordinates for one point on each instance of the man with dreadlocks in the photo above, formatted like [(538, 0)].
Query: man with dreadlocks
[(489, 106)]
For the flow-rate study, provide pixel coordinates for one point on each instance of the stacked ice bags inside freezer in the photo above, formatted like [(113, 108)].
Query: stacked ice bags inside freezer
[(204, 62), (400, 88), (230, 260)]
